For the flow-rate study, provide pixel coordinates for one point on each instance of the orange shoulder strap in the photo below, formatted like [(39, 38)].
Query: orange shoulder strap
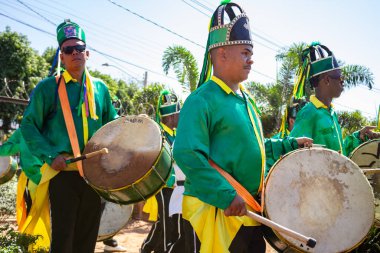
[(247, 197), (62, 92)]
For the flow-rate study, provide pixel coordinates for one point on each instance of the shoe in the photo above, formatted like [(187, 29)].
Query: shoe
[(114, 249)]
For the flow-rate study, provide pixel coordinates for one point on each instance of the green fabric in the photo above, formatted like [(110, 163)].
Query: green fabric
[(218, 36), (322, 126), (70, 30), (45, 131), (321, 66), (168, 109), (277, 147), (171, 180), (351, 142), (29, 164), (216, 125)]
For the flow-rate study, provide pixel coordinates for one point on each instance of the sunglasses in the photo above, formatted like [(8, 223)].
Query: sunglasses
[(337, 77), (70, 49)]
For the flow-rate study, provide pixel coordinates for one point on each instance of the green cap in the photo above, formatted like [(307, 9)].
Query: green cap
[(69, 30), (168, 104)]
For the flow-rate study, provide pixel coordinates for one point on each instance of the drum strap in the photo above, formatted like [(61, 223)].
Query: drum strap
[(62, 92), (247, 197)]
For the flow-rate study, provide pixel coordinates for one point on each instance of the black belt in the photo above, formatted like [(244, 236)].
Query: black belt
[(181, 183)]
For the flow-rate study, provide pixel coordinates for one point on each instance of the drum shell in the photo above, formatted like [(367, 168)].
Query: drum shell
[(8, 169), (336, 176), (145, 187), (138, 163)]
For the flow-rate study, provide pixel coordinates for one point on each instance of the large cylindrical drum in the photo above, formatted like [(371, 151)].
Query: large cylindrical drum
[(367, 156), (8, 167), (322, 194), (138, 163), (114, 217)]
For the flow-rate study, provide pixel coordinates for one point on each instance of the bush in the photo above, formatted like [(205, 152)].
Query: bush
[(12, 241), (8, 198)]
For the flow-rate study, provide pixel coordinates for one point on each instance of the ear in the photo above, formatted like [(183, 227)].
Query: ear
[(87, 54), (62, 58)]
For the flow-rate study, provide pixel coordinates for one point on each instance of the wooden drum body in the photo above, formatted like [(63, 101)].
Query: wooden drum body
[(367, 156), (114, 218), (137, 165), (8, 167), (322, 194)]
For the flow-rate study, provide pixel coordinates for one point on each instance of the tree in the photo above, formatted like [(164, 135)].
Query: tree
[(145, 100), (20, 70), (351, 121), (269, 100), (184, 66)]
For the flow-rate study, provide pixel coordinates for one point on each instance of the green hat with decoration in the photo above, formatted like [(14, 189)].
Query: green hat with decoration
[(316, 59), (167, 104), (236, 32), (69, 30)]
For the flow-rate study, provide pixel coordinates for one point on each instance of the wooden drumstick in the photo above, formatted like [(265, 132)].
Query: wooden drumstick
[(371, 171), (89, 155), (310, 242)]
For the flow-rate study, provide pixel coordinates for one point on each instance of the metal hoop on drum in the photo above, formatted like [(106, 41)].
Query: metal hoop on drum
[(8, 167), (114, 217), (367, 156), (321, 193), (138, 163)]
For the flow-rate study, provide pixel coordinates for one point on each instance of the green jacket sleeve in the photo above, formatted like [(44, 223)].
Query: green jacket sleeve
[(12, 145), (191, 152), (275, 148), (351, 142), (32, 125)]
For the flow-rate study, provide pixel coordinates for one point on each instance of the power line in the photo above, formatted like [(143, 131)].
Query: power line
[(154, 23), (195, 8), (35, 12)]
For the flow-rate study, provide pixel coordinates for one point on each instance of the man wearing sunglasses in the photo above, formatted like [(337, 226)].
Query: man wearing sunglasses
[(318, 119), (64, 113)]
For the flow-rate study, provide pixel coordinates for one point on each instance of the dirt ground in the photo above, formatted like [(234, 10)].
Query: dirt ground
[(134, 233)]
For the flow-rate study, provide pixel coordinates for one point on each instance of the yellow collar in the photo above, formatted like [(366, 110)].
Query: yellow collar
[(317, 103), (66, 75), (224, 86)]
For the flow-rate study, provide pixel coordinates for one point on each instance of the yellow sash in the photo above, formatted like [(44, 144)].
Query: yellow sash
[(38, 220), (214, 230), (151, 207)]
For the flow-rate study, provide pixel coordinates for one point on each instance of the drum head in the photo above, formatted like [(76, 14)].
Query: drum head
[(5, 163), (367, 156), (114, 218), (322, 194), (133, 142)]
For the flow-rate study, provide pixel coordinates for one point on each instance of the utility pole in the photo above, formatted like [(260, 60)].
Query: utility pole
[(145, 79)]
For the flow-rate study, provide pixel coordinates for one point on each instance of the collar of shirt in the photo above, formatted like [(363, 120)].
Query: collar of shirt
[(66, 75), (317, 103), (224, 86)]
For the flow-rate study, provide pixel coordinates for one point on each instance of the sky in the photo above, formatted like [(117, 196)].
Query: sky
[(131, 35)]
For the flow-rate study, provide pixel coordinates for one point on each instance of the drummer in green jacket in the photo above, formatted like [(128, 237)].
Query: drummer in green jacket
[(74, 206), (318, 119), (220, 121)]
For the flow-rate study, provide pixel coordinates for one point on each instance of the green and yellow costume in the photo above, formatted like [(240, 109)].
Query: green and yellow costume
[(215, 123), (316, 120)]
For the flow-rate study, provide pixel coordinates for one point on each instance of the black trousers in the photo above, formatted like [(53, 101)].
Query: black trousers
[(75, 214), (178, 235), (159, 238), (247, 240)]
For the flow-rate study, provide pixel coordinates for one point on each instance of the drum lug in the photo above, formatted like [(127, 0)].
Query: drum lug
[(136, 190), (154, 169)]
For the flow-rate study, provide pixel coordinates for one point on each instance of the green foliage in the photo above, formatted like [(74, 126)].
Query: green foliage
[(8, 197), (49, 55), (351, 121), (184, 65), (357, 74), (12, 241), (269, 101), (20, 69), (145, 100)]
